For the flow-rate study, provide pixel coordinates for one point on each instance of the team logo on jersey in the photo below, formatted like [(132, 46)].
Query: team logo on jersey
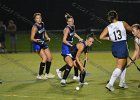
[(71, 34), (42, 30)]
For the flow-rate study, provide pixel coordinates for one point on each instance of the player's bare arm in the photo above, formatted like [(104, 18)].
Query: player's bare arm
[(78, 37), (33, 32), (66, 31), (104, 34), (127, 27)]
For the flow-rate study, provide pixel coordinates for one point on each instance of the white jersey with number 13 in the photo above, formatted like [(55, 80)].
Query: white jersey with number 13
[(117, 31)]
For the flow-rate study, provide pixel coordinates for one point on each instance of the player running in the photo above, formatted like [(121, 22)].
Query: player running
[(75, 53), (116, 32), (69, 33), (38, 36), (136, 33)]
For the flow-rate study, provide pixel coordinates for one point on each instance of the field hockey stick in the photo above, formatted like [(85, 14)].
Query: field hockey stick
[(84, 63), (81, 85), (134, 63)]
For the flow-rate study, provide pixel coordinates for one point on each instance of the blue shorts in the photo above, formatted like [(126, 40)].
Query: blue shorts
[(65, 50), (37, 47), (120, 49)]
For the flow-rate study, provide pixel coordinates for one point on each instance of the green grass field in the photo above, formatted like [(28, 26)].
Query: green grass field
[(17, 71)]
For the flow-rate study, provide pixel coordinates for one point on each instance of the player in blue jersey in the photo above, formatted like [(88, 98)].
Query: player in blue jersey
[(38, 38), (116, 32), (74, 58), (69, 33)]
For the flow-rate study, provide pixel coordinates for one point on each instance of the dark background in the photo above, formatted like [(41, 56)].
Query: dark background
[(87, 13)]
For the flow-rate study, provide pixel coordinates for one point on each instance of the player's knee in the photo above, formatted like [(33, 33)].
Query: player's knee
[(49, 58), (44, 58), (71, 64)]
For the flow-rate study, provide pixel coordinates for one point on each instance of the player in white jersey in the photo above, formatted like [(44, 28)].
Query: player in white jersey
[(116, 32), (136, 33)]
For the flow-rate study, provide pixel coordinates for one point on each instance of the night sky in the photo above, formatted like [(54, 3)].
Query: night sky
[(87, 13)]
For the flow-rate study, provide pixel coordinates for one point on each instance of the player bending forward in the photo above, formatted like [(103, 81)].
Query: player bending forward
[(76, 51)]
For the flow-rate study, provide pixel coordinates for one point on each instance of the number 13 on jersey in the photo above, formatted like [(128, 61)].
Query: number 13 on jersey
[(117, 35)]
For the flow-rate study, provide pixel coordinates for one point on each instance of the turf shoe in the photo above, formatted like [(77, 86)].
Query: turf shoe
[(50, 75), (76, 78), (40, 77), (81, 84), (59, 73), (85, 83), (63, 82), (109, 87), (123, 85)]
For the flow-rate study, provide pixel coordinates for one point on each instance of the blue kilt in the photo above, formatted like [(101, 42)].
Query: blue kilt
[(65, 50), (37, 47), (120, 49)]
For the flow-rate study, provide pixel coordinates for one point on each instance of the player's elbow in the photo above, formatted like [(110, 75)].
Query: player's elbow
[(64, 40), (32, 39), (101, 37)]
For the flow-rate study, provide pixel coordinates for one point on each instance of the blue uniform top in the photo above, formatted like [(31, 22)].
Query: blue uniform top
[(65, 48), (41, 31), (71, 33), (40, 34)]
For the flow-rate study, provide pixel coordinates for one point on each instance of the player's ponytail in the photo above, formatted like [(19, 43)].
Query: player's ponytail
[(68, 16), (112, 15)]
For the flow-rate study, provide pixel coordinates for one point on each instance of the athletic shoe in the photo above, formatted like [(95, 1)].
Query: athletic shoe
[(50, 75), (81, 84), (63, 82), (40, 77), (85, 83), (59, 73), (123, 85), (76, 78), (110, 87)]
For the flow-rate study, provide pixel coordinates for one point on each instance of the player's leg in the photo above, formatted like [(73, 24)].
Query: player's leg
[(42, 64), (116, 73), (59, 71), (48, 63), (70, 64), (63, 68), (76, 76), (122, 76), (82, 73)]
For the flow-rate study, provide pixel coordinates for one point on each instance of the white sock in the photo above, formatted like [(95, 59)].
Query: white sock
[(122, 76), (116, 73)]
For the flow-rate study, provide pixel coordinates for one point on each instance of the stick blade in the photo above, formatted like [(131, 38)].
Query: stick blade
[(138, 68)]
